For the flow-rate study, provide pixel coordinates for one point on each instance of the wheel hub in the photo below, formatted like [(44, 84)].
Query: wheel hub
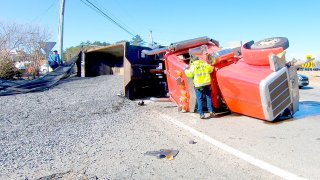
[(269, 41)]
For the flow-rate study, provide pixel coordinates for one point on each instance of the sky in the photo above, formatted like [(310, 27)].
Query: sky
[(176, 20)]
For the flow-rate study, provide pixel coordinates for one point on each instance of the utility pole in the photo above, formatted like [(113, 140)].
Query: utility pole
[(151, 37), (60, 41)]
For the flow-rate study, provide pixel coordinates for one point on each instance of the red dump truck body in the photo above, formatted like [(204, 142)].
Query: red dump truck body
[(246, 83)]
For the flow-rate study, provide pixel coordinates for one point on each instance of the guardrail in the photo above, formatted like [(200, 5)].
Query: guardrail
[(309, 69)]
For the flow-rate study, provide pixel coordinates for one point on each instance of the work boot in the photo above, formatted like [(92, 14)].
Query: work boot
[(213, 115), (202, 116)]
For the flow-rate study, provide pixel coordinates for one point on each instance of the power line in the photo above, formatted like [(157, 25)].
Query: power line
[(94, 7), (91, 7), (44, 12), (113, 16)]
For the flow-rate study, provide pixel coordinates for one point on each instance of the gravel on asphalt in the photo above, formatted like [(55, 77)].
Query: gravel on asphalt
[(45, 130)]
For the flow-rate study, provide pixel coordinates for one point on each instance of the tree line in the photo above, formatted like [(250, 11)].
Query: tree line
[(74, 50)]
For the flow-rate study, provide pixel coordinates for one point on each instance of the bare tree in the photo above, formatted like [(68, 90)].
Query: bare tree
[(33, 45), (11, 38), (24, 43)]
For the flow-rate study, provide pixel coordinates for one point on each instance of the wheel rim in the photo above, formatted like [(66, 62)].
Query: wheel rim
[(268, 42)]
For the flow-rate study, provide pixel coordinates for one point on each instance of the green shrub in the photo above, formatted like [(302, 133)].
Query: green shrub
[(7, 70)]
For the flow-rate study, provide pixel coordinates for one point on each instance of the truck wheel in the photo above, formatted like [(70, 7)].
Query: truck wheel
[(269, 43)]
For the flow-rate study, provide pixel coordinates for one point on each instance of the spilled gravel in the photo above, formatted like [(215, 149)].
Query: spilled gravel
[(55, 130)]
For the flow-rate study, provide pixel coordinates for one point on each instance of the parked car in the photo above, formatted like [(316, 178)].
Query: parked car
[(44, 68), (22, 65), (303, 80)]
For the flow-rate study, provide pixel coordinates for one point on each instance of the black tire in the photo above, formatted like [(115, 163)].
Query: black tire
[(269, 43)]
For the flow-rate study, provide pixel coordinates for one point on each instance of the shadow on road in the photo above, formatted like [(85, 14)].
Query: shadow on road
[(306, 88), (307, 109)]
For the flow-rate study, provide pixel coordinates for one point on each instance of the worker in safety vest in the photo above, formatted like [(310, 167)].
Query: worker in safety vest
[(200, 72)]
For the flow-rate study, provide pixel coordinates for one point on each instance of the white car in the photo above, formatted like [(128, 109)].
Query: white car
[(45, 68), (22, 65)]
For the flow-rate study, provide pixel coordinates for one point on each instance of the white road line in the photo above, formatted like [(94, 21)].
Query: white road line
[(250, 159)]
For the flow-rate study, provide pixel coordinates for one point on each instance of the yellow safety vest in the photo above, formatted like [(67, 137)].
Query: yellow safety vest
[(200, 72)]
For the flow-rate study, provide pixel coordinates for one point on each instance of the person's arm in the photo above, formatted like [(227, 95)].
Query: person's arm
[(50, 58), (189, 72), (209, 68)]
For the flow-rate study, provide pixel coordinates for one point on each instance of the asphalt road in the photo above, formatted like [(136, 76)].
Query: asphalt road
[(82, 129), (292, 145)]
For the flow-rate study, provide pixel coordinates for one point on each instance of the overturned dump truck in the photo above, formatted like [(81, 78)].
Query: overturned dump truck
[(253, 79)]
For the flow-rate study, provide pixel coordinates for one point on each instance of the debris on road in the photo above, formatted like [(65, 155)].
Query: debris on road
[(169, 154), (141, 103)]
